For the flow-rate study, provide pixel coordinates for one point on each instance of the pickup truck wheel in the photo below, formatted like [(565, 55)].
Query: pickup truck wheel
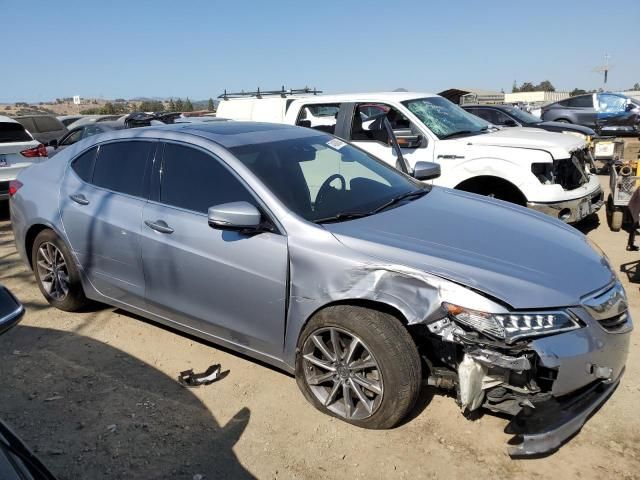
[(56, 273), (494, 187), (359, 365)]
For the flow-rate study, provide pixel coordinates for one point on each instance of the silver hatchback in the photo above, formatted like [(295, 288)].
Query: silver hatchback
[(298, 249)]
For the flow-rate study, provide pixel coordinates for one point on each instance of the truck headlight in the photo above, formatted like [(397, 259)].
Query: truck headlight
[(511, 326)]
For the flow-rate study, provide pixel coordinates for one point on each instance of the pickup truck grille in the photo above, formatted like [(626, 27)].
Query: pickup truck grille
[(570, 172)]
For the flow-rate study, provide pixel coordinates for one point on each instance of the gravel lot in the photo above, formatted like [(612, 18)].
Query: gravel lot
[(95, 395)]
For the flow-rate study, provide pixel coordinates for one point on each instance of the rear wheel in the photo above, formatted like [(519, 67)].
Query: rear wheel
[(56, 273), (359, 365)]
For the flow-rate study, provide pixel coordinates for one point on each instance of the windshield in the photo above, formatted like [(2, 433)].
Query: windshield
[(521, 115), (319, 177), (444, 118)]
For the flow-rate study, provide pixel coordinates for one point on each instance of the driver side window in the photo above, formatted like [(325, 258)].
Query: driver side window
[(368, 125)]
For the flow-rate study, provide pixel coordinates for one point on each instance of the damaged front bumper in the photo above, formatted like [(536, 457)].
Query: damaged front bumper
[(544, 429), (551, 385), (571, 211)]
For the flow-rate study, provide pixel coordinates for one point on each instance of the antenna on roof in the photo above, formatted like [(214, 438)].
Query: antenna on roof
[(604, 69)]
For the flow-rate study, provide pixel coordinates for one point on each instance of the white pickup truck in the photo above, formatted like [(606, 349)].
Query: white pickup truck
[(548, 172)]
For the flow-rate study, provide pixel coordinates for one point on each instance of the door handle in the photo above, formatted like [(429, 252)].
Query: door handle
[(159, 226), (79, 198)]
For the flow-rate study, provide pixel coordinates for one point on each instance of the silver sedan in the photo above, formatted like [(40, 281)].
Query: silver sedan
[(296, 248)]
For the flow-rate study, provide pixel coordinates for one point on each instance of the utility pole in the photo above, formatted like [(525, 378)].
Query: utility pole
[(604, 69)]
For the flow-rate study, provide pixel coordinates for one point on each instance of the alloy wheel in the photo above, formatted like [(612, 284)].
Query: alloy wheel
[(52, 271), (342, 373)]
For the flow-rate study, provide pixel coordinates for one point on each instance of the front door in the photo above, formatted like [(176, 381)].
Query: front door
[(225, 283)]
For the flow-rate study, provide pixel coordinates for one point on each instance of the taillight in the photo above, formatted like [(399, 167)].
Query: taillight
[(14, 186), (39, 151)]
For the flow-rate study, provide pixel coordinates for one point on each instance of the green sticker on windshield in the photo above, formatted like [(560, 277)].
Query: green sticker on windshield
[(336, 143)]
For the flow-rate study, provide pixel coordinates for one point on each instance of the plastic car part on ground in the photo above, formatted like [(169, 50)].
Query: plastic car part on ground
[(212, 374)]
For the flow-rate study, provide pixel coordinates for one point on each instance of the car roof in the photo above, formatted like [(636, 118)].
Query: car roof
[(367, 97), (7, 119), (226, 134)]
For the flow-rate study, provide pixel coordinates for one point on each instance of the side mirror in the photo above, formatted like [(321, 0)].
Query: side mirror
[(11, 310), (426, 170), (630, 106), (510, 123), (407, 139), (53, 143), (235, 216)]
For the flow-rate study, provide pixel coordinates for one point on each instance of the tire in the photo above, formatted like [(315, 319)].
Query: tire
[(616, 220), (50, 254), (381, 341), (615, 216)]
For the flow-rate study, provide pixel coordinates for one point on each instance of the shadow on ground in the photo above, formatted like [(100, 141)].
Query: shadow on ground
[(89, 410)]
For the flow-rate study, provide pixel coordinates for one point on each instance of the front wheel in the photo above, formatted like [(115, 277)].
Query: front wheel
[(56, 273), (359, 365)]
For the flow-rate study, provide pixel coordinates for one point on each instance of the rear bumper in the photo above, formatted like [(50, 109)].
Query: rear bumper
[(544, 429), (571, 211)]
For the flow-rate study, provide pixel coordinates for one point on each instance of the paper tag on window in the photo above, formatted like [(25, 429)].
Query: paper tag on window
[(336, 143)]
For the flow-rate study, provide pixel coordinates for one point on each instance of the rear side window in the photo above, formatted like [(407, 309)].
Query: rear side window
[(83, 165), (13, 132), (194, 180), (27, 122), (121, 166), (582, 101), (48, 124)]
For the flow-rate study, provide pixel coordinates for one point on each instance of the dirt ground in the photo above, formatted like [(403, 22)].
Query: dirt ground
[(95, 395)]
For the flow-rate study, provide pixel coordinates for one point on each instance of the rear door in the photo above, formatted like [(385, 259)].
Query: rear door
[(225, 283), (13, 140), (101, 202), (582, 110)]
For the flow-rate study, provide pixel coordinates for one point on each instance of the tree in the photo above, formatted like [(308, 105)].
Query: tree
[(188, 106), (179, 105), (515, 88), (577, 91), (108, 109), (527, 87), (636, 86), (546, 86), (210, 106), (172, 105)]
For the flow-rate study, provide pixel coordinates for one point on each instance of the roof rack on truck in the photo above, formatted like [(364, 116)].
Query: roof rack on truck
[(260, 93)]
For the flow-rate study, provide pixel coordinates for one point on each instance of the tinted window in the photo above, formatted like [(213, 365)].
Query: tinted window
[(72, 138), (27, 122), (194, 180), (83, 165), (48, 124), (582, 101), (13, 132), (120, 166)]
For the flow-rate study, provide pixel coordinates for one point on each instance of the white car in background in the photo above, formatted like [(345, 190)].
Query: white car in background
[(18, 150)]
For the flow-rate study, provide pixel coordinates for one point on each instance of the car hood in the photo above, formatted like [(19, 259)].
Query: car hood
[(520, 257), (526, 138), (567, 127)]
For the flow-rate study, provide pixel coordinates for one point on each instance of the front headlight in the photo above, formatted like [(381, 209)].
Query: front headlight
[(511, 326)]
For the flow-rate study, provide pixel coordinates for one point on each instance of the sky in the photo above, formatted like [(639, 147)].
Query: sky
[(197, 48)]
